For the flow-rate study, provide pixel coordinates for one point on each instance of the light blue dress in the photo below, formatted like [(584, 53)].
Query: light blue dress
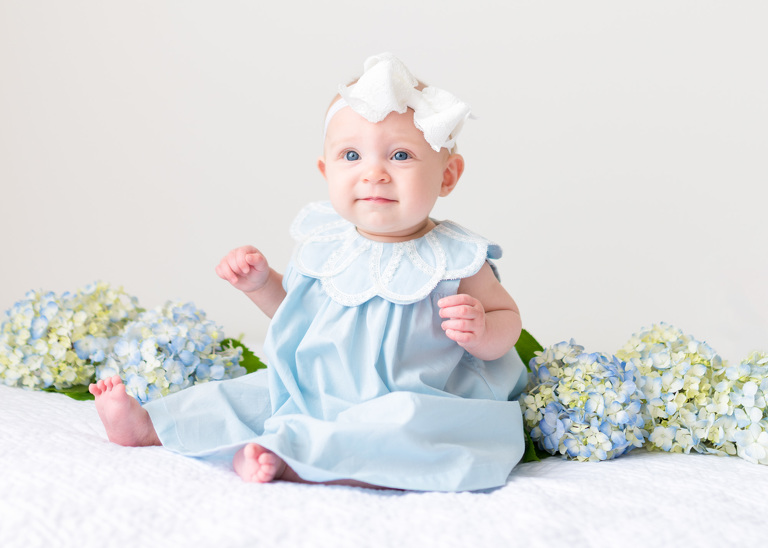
[(362, 382)]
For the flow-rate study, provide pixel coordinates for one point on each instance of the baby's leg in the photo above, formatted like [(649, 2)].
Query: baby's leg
[(255, 463), (126, 421)]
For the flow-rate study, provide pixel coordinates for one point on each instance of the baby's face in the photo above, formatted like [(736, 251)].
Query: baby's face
[(383, 177)]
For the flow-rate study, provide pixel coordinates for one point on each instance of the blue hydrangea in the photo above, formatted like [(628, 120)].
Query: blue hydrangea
[(584, 406), (168, 349)]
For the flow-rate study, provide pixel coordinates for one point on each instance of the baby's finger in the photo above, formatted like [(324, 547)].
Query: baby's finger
[(462, 326), (460, 337), (256, 260), (461, 311), (234, 265), (242, 261), (456, 300), (225, 273)]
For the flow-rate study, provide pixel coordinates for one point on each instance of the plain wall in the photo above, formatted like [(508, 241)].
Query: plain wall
[(618, 157)]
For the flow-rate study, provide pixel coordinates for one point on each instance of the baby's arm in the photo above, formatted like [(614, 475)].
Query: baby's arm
[(482, 318), (247, 270)]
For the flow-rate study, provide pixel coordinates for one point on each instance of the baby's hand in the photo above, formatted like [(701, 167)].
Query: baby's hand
[(245, 268), (466, 325)]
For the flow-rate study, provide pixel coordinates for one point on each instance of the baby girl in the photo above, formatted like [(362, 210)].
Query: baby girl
[(391, 347)]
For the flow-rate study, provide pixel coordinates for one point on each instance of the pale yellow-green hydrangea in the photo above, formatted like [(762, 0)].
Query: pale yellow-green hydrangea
[(677, 378), (54, 341)]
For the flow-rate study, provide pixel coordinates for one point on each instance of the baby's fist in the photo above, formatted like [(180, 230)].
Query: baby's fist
[(466, 319), (245, 268)]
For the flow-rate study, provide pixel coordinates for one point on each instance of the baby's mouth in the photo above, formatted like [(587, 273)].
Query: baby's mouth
[(378, 200)]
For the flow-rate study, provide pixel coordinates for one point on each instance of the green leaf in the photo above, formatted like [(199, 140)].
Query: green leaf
[(76, 392), (250, 361), (527, 346), (530, 450)]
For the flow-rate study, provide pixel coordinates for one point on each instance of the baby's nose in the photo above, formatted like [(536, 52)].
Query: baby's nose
[(376, 173)]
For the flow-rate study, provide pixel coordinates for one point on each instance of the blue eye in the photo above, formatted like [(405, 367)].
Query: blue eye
[(351, 155), (401, 155)]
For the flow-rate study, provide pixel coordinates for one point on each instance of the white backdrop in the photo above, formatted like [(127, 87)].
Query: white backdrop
[(619, 156)]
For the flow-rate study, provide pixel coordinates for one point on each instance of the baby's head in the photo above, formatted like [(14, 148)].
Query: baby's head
[(387, 155)]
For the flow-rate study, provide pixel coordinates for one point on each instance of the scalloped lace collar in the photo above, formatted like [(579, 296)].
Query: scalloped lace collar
[(354, 269)]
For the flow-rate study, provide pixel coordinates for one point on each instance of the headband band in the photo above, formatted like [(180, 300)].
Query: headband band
[(387, 86), (335, 107)]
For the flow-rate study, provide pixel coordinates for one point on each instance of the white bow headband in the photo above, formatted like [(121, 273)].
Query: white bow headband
[(387, 86)]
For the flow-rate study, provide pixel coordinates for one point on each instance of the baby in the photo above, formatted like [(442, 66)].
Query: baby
[(391, 347)]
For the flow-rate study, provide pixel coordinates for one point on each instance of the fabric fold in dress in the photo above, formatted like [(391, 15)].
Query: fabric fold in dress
[(362, 382)]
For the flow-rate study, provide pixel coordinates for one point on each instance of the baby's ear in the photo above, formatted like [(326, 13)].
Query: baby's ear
[(321, 165), (453, 170)]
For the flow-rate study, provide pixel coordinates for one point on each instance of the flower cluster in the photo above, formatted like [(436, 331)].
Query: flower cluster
[(740, 423), (677, 373), (583, 406), (675, 394), (168, 349), (54, 341), (66, 342)]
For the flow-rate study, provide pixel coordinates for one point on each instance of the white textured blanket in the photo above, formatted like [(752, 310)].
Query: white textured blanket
[(63, 484)]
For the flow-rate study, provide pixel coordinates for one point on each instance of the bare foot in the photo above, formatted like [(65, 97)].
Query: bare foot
[(254, 463), (126, 422), (257, 464)]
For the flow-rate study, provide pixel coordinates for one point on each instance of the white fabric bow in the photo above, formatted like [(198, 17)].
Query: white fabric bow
[(388, 86)]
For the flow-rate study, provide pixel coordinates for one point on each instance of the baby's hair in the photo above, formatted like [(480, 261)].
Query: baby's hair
[(419, 86)]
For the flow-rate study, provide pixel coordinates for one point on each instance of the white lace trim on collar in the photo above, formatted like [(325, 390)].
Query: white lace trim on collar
[(354, 269)]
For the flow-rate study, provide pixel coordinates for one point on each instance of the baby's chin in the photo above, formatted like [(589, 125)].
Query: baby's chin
[(390, 235)]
